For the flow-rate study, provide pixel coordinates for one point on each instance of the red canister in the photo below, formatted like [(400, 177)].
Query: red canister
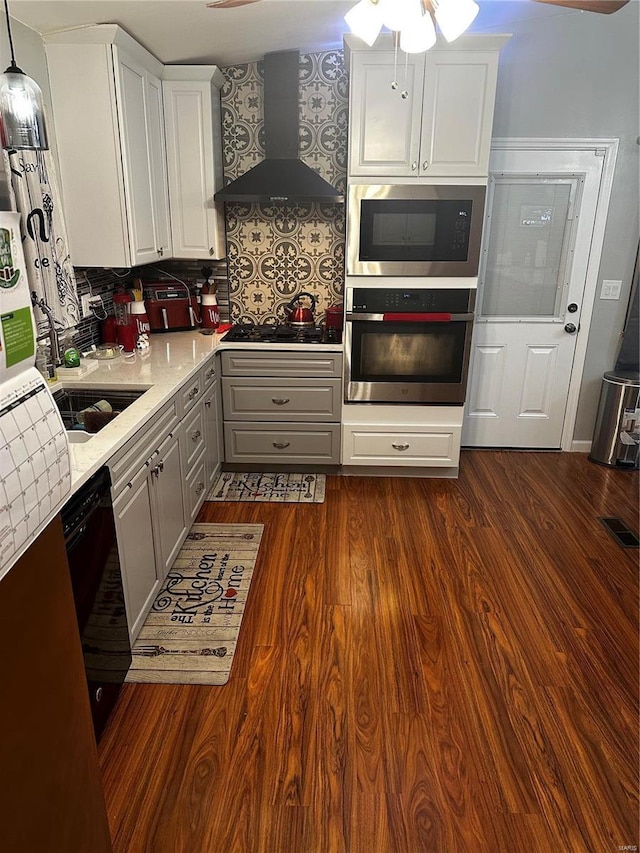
[(334, 317), (210, 311)]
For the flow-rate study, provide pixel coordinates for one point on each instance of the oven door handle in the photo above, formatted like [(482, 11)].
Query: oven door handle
[(434, 317)]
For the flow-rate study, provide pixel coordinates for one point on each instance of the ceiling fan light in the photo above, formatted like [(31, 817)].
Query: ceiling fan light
[(398, 14), (21, 111), (419, 36), (365, 21), (455, 16)]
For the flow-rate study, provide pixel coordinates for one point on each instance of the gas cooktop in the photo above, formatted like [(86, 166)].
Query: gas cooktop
[(247, 333)]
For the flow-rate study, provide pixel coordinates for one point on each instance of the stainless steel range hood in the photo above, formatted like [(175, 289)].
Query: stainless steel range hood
[(281, 178)]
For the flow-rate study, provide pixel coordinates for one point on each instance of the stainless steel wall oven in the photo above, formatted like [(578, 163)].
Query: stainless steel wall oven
[(417, 230), (407, 346)]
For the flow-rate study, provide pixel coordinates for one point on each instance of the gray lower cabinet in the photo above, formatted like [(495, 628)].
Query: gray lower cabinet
[(281, 408), (297, 444)]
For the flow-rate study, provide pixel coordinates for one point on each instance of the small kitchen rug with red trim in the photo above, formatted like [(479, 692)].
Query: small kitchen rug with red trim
[(191, 632), (279, 488)]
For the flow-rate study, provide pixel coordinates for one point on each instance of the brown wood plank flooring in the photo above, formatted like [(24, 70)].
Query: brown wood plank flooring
[(424, 665)]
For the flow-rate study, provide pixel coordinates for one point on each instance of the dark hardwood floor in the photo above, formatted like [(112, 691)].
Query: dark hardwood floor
[(424, 665)]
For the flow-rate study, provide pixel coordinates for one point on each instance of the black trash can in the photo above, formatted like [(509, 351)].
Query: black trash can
[(616, 438)]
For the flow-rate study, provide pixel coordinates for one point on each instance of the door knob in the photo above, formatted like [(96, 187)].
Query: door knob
[(572, 307), (571, 328)]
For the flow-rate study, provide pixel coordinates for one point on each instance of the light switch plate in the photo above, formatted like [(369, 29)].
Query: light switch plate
[(610, 289)]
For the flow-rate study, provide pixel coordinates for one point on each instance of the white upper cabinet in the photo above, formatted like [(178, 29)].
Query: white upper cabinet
[(442, 125), (384, 127), (194, 157), (108, 113)]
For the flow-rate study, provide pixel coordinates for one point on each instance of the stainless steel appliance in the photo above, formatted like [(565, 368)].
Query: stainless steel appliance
[(421, 230), (407, 346), (92, 554)]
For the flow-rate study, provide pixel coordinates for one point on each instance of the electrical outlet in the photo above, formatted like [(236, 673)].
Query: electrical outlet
[(89, 302), (610, 289)]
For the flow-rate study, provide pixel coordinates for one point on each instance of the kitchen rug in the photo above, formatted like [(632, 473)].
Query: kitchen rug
[(191, 632), (279, 488)]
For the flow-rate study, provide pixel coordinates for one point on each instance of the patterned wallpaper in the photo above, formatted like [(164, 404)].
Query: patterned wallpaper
[(274, 251)]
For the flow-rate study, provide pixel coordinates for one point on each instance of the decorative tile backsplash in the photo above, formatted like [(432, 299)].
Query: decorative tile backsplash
[(276, 251)]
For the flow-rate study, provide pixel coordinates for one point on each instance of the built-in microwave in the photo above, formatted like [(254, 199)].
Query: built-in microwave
[(421, 230)]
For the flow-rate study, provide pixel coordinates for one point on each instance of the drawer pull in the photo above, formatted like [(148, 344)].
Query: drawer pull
[(397, 446), (211, 373), (280, 445), (195, 435), (193, 393), (280, 401), (199, 488)]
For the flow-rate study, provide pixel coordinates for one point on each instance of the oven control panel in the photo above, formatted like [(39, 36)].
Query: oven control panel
[(378, 300)]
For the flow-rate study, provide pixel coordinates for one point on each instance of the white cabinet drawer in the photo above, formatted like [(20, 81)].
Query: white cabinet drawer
[(282, 399), (300, 444), (196, 487), (241, 363), (127, 462), (191, 393), (192, 437), (414, 446), (210, 372)]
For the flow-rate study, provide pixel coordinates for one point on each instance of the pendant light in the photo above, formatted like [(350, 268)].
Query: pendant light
[(21, 110)]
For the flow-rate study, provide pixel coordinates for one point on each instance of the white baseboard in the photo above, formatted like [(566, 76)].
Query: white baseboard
[(580, 447)]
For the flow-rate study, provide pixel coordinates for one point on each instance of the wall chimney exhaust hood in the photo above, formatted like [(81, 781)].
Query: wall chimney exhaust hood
[(281, 178)]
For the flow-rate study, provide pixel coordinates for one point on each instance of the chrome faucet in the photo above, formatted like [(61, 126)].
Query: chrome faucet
[(52, 334)]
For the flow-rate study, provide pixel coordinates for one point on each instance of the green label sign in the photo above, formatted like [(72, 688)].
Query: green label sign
[(17, 332)]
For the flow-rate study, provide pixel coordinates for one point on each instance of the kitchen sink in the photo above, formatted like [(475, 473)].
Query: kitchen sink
[(79, 436), (72, 401)]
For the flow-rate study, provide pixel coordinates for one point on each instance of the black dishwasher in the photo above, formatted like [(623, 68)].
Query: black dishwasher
[(92, 553)]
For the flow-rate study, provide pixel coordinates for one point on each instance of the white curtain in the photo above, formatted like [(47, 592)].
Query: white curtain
[(36, 196)]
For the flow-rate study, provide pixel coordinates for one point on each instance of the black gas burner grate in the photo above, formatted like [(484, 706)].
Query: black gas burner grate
[(278, 333)]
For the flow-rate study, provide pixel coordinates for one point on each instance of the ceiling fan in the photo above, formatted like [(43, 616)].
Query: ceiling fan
[(605, 7)]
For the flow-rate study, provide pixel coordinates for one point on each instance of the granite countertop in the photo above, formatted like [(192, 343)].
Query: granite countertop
[(169, 362)]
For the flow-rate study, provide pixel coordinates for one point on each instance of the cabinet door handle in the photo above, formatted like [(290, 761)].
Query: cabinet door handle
[(397, 446), (195, 435), (199, 488), (207, 403), (160, 466), (155, 471), (414, 165), (280, 445), (211, 250), (193, 393), (425, 165), (280, 401), (161, 251), (211, 373)]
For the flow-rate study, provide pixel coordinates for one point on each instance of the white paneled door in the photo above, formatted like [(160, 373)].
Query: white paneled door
[(538, 254)]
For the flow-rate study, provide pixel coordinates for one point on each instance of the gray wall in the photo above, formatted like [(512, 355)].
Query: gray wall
[(575, 74)]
